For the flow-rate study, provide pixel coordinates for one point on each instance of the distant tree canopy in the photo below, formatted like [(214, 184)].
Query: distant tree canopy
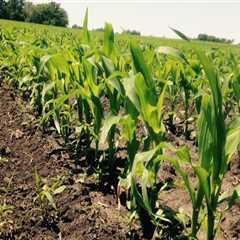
[(3, 9), (132, 32), (95, 29), (100, 29), (210, 38), (48, 13), (12, 9), (76, 26)]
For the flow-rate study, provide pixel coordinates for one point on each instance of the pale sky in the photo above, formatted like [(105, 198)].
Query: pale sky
[(154, 17)]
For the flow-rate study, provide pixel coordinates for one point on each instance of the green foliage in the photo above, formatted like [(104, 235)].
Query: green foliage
[(132, 32), (49, 14), (12, 9), (45, 192), (3, 9), (46, 13), (210, 38)]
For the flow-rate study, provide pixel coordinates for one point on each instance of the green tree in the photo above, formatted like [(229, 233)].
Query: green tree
[(15, 10), (132, 32), (49, 14), (3, 9), (210, 38)]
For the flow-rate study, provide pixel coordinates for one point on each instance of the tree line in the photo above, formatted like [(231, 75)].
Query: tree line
[(45, 13), (132, 32), (211, 38), (52, 14)]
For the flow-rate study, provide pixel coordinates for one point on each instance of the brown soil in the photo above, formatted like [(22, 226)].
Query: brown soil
[(85, 211)]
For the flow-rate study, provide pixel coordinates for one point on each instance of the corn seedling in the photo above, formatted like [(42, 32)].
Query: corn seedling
[(46, 193)]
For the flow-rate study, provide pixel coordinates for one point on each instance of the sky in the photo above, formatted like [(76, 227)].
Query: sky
[(154, 17)]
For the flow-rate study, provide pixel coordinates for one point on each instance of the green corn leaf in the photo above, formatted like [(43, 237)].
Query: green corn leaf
[(56, 122), (46, 89), (205, 133), (91, 79), (212, 79), (139, 170), (172, 52), (43, 62), (218, 126), (129, 87), (137, 196), (144, 185), (183, 154), (108, 123), (180, 34), (140, 66), (161, 102), (236, 77), (203, 175), (108, 39), (107, 66), (144, 92), (86, 34), (114, 81), (129, 127), (148, 103), (25, 80), (141, 159), (58, 63), (59, 190), (233, 138), (50, 199)]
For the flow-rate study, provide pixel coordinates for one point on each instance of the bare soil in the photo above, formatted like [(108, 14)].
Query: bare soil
[(84, 210)]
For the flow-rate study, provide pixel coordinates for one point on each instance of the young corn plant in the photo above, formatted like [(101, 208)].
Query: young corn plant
[(142, 103), (235, 82), (182, 81), (45, 193), (217, 141)]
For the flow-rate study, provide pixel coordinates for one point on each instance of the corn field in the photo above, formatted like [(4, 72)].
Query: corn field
[(105, 93)]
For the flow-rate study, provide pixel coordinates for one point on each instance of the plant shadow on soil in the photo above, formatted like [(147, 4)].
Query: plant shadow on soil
[(88, 208), (84, 211)]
